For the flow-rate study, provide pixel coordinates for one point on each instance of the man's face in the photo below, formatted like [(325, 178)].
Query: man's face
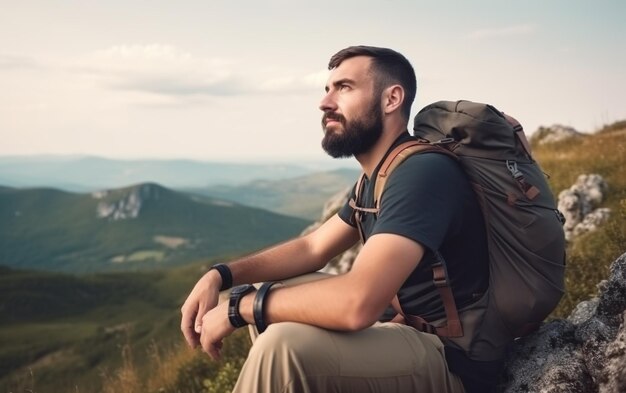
[(352, 120)]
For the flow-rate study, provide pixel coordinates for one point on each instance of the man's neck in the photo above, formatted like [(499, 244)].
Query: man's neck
[(370, 160)]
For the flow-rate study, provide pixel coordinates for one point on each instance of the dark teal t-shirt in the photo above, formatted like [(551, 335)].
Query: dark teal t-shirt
[(428, 199)]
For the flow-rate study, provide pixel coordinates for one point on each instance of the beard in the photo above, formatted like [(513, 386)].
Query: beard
[(358, 136)]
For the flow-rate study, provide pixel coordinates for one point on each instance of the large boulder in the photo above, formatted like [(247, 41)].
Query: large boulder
[(584, 353)]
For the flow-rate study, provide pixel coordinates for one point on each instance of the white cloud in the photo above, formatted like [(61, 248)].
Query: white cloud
[(517, 30), (293, 84), (12, 62), (168, 71)]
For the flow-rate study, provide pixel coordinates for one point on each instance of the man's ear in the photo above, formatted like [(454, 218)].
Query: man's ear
[(393, 97)]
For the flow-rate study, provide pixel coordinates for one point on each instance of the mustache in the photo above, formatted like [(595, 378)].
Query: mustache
[(332, 116)]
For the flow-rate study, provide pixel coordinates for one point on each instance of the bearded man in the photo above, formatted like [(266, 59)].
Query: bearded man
[(329, 334)]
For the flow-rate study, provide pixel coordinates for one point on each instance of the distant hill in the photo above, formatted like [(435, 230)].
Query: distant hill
[(302, 196), (92, 173), (142, 226)]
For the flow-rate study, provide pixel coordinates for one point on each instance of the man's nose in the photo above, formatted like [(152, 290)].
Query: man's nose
[(328, 103)]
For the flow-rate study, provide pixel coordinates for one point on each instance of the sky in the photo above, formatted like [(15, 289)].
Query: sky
[(242, 80)]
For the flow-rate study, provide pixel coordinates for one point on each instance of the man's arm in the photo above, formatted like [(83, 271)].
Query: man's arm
[(349, 302), (296, 257), (299, 256)]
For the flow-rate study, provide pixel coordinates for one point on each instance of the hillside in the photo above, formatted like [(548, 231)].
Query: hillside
[(143, 226), (60, 333), (302, 196)]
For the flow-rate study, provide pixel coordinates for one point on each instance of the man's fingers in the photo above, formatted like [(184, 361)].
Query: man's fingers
[(190, 336), (198, 323), (214, 350), (187, 326)]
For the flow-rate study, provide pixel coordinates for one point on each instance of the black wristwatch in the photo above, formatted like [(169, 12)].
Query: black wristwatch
[(233, 304)]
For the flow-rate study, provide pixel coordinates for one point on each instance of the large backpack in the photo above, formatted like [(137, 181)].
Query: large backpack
[(524, 229)]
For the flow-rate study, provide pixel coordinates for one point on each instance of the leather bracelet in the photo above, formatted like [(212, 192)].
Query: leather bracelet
[(227, 276), (259, 305)]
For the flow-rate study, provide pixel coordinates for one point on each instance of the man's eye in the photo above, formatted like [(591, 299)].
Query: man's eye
[(344, 87)]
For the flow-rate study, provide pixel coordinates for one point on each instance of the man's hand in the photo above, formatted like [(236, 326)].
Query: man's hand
[(202, 298), (215, 327)]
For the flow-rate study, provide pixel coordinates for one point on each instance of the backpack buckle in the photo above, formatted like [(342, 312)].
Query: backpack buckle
[(560, 216), (439, 275), (444, 141), (512, 167), (427, 328)]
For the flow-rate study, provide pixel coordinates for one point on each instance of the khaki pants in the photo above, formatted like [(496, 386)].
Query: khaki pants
[(292, 357)]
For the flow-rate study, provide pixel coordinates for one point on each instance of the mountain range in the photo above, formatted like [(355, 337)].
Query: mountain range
[(136, 227), (301, 196), (86, 173)]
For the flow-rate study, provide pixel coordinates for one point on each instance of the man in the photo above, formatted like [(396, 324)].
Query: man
[(325, 335)]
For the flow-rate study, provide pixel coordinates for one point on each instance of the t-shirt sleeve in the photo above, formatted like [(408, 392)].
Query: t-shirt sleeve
[(422, 199), (345, 213)]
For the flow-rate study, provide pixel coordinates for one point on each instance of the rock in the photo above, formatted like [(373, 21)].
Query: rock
[(584, 353), (126, 206), (583, 311), (578, 205), (614, 380), (592, 221), (547, 361), (554, 133)]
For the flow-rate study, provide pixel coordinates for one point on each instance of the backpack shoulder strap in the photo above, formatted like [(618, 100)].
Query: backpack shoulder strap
[(397, 157)]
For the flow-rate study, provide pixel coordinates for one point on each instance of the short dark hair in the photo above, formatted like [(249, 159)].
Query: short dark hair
[(389, 67)]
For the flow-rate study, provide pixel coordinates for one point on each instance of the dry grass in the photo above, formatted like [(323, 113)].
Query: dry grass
[(179, 369), (590, 256)]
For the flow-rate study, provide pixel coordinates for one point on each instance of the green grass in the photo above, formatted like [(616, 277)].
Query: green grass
[(590, 255), (47, 346)]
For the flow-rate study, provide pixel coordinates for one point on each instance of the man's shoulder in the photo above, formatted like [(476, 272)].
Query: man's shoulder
[(429, 167)]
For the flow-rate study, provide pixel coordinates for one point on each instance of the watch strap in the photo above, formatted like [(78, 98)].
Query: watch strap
[(233, 305)]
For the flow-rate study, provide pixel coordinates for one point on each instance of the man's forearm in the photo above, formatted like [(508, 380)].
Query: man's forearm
[(299, 256), (279, 262)]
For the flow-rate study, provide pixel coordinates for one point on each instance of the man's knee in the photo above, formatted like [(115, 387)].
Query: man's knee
[(281, 336), (293, 342)]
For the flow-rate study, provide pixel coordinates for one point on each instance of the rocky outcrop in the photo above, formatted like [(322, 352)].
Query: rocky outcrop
[(554, 133), (579, 205), (125, 206), (584, 353)]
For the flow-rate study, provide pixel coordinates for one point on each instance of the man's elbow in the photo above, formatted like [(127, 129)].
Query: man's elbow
[(361, 315)]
